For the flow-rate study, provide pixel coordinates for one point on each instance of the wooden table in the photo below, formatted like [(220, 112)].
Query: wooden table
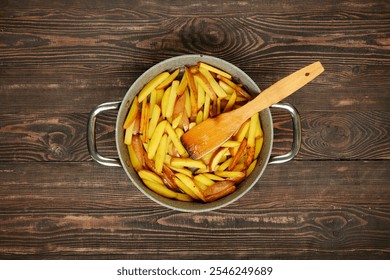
[(59, 60)]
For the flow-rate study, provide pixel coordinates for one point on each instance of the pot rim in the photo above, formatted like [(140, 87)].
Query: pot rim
[(170, 64)]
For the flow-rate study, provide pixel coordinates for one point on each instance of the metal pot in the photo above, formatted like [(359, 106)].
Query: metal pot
[(174, 63)]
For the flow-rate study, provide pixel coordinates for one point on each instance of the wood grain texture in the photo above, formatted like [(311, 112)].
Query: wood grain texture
[(58, 60), (89, 55), (105, 217)]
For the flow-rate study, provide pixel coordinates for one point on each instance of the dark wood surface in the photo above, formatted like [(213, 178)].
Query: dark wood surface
[(58, 60)]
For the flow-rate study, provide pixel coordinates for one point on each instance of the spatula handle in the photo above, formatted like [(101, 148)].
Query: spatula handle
[(281, 89)]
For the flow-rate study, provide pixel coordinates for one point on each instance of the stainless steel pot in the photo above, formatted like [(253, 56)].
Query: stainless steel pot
[(174, 63)]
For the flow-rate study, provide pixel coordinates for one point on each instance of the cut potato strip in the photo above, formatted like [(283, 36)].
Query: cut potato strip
[(168, 80), (176, 141), (172, 99), (154, 120), (202, 178), (252, 130), (215, 70), (183, 85), (132, 113), (129, 134), (186, 189), (149, 175), (189, 182), (135, 162), (236, 87), (156, 138), (160, 154), (251, 167), (187, 162), (230, 175), (152, 85), (238, 155), (230, 144), (229, 90), (213, 83)]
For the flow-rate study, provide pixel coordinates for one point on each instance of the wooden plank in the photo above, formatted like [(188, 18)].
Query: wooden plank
[(325, 135), (75, 60), (138, 9), (341, 212)]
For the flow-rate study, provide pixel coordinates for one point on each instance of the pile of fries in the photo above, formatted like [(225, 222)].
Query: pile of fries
[(173, 103)]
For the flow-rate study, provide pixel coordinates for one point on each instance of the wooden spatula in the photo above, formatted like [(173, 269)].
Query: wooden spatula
[(213, 132)]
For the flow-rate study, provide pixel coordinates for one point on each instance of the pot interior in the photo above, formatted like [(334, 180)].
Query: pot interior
[(169, 65)]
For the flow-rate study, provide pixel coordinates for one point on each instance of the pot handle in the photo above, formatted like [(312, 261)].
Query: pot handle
[(297, 137), (91, 134)]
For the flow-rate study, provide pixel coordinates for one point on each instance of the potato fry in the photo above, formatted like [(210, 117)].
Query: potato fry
[(202, 81), (231, 102), (202, 178), (237, 88), (219, 189), (225, 164), (177, 121), (189, 182), (259, 130), (165, 101), (216, 158), (179, 107), (251, 168), (132, 113), (159, 96), (184, 171), (138, 149), (238, 155), (152, 85), (156, 138), (213, 177), (187, 162), (213, 83), (137, 124), (176, 141), (206, 107), (154, 120), (193, 93), (144, 121), (229, 90), (129, 134), (183, 197), (149, 175), (164, 84), (201, 96), (168, 176), (183, 85), (215, 70), (230, 144), (135, 162), (160, 154), (199, 117), (250, 155), (235, 176), (186, 189), (200, 185), (258, 146), (242, 132), (160, 189), (188, 103), (252, 130), (171, 99)]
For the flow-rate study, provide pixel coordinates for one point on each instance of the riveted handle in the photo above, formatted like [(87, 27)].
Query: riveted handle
[(297, 134), (91, 134)]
